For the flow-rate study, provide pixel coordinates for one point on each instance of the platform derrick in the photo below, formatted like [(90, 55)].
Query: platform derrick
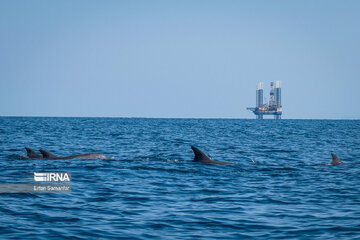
[(273, 107)]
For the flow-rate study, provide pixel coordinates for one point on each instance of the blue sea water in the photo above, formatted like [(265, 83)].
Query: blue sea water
[(152, 189)]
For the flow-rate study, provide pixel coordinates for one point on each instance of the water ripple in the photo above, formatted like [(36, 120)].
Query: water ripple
[(279, 187)]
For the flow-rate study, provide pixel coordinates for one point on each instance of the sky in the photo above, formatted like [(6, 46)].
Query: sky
[(181, 59)]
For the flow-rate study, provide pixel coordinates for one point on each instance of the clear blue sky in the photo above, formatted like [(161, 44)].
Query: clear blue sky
[(178, 58)]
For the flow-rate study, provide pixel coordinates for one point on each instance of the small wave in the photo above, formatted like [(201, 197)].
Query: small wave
[(159, 169), (161, 159), (279, 151), (17, 157), (274, 168), (13, 150)]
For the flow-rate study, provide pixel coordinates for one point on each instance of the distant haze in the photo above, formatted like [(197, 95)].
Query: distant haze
[(178, 58)]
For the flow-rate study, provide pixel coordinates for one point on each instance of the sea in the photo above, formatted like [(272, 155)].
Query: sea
[(280, 185)]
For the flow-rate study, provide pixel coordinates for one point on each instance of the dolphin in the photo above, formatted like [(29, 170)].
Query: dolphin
[(203, 158), (335, 160), (32, 154), (49, 155)]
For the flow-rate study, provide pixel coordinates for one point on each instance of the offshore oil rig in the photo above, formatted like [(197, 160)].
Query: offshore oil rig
[(273, 107)]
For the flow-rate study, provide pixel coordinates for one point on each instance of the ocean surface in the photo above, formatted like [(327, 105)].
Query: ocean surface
[(280, 186)]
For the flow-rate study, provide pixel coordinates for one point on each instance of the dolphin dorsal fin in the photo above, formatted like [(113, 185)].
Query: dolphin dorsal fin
[(32, 154), (47, 154), (200, 156), (335, 160)]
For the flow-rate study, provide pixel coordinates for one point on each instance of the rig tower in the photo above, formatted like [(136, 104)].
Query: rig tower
[(274, 106)]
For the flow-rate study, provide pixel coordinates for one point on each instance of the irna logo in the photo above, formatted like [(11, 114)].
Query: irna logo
[(52, 177)]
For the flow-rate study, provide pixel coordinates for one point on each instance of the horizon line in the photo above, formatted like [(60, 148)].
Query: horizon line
[(141, 117)]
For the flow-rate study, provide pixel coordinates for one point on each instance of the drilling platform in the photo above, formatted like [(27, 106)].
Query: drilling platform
[(273, 107)]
